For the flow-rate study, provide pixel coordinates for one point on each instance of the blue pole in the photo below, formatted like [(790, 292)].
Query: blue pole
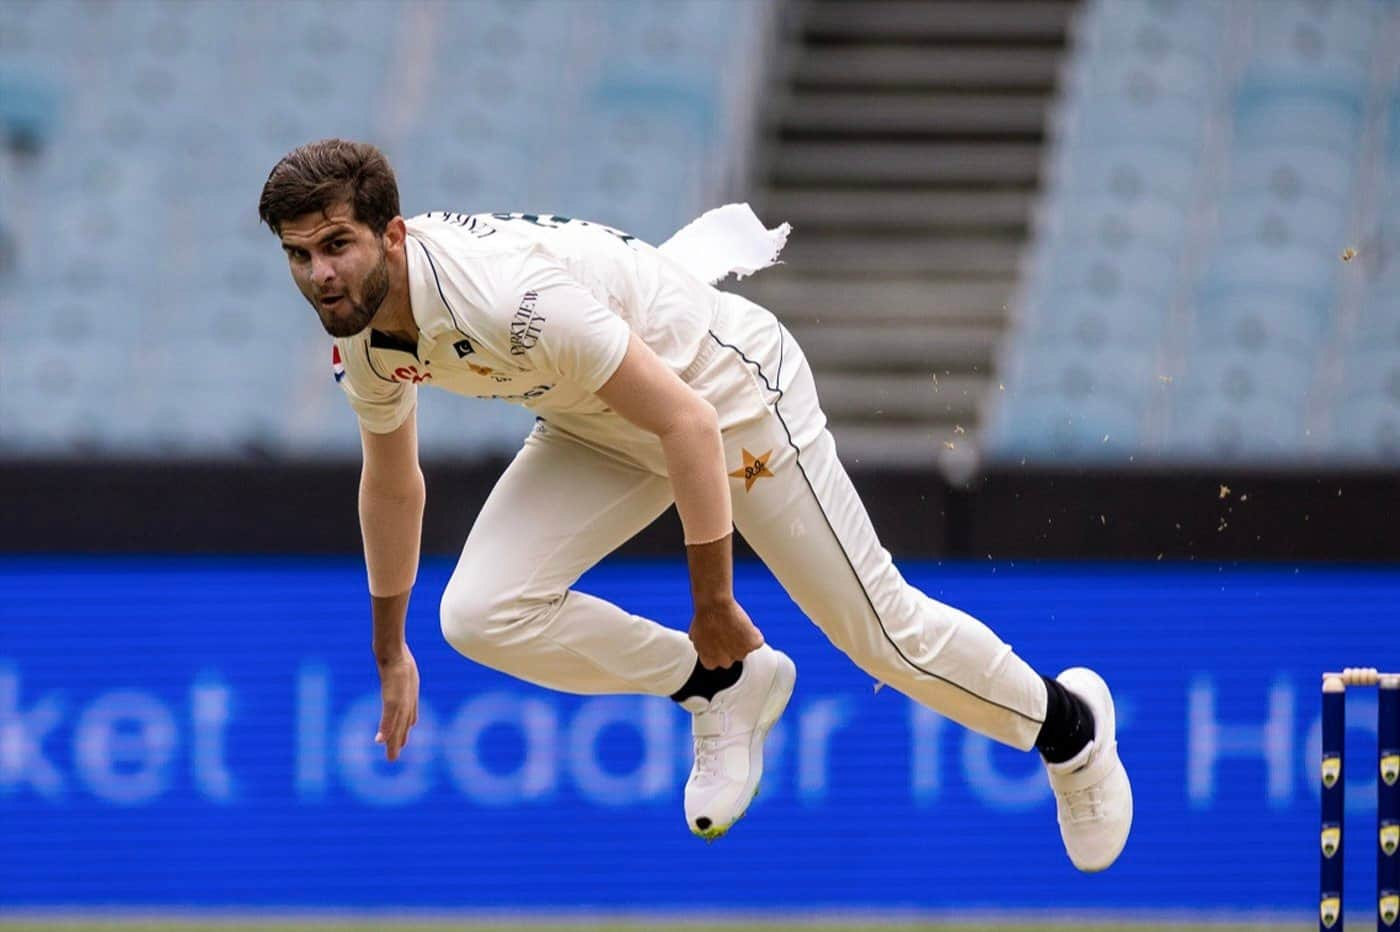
[(1334, 728), (1388, 806)]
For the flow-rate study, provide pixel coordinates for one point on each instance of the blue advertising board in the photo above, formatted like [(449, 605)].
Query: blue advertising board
[(194, 733)]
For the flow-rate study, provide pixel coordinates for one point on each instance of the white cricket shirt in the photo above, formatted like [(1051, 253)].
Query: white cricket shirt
[(534, 310)]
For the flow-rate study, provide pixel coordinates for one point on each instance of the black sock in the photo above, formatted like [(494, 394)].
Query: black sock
[(1069, 725), (705, 683)]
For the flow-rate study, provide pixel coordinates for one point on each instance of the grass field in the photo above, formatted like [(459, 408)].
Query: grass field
[(322, 925)]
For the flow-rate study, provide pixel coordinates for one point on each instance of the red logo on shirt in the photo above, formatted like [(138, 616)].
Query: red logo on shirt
[(411, 374)]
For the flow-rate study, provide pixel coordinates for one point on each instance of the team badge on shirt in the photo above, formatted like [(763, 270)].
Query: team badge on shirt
[(337, 367)]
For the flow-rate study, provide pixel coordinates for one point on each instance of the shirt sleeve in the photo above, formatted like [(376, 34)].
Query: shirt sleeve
[(381, 405), (557, 326)]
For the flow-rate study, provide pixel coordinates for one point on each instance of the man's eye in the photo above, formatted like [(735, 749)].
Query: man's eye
[(339, 244)]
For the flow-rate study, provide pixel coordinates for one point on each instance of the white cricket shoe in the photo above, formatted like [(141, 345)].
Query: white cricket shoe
[(729, 731), (1093, 799)]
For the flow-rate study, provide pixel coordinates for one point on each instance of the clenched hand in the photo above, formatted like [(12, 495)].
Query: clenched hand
[(723, 634), (398, 686)]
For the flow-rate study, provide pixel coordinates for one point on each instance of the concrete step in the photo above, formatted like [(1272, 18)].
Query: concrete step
[(841, 346), (888, 210), (903, 163), (1004, 20), (902, 398), (920, 114), (963, 256), (901, 66), (927, 302)]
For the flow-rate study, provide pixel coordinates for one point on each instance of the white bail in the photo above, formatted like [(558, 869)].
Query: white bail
[(728, 239)]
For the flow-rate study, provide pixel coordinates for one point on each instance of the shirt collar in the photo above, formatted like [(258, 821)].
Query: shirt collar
[(430, 310)]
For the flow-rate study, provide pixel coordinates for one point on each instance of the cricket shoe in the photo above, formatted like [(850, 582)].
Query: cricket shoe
[(1093, 799), (729, 731)]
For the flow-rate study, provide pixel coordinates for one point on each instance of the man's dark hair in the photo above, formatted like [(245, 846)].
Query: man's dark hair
[(319, 175)]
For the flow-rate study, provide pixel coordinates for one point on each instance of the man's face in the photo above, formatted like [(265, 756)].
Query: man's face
[(339, 266)]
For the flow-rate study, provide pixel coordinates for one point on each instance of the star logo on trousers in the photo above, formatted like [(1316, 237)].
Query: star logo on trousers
[(755, 468)]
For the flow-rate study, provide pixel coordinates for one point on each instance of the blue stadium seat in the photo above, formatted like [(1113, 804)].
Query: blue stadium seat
[(1256, 319), (1121, 373), (1113, 223), (1105, 274), (1309, 272), (1155, 27), (1153, 118), (1262, 431), (1371, 371), (1379, 325), (1133, 322), (1244, 375), (1274, 221), (1265, 115), (1314, 30), (1129, 171), (1290, 171), (1047, 429), (1367, 430), (1129, 74)]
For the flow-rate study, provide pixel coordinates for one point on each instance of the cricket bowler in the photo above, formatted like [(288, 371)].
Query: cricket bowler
[(650, 386)]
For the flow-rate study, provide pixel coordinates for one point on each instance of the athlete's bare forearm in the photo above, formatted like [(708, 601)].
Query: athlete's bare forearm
[(391, 525), (694, 453)]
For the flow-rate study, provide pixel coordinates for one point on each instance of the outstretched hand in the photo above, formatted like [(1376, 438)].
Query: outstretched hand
[(723, 634), (398, 686)]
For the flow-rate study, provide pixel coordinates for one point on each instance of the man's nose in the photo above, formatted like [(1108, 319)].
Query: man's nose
[(321, 271)]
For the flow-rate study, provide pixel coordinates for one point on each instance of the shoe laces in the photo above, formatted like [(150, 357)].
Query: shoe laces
[(708, 746), (1085, 805)]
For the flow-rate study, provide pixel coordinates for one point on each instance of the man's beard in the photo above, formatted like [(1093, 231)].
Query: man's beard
[(375, 289)]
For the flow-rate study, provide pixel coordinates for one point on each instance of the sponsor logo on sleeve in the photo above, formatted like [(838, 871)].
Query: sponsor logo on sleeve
[(411, 374), (525, 325)]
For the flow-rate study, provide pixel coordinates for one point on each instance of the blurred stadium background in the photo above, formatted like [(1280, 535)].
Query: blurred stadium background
[(1103, 300)]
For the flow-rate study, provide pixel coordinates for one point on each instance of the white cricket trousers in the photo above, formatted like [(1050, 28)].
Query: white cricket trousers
[(565, 502)]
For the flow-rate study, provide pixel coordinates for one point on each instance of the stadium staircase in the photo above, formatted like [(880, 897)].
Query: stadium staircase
[(903, 142)]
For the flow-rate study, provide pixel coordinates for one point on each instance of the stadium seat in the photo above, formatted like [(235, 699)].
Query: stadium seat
[(1379, 324), (1307, 271), (1152, 118), (1133, 321), (1122, 373), (1367, 430), (1316, 222), (1266, 115), (1153, 28), (1129, 171), (1262, 431), (1291, 171), (1128, 74), (1104, 274), (1245, 375), (1047, 429), (1112, 223), (1371, 371), (1309, 30), (1256, 319)]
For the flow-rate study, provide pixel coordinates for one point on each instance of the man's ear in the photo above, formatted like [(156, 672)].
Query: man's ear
[(395, 233)]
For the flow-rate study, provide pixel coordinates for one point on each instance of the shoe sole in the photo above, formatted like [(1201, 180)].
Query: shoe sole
[(779, 692), (1085, 679)]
